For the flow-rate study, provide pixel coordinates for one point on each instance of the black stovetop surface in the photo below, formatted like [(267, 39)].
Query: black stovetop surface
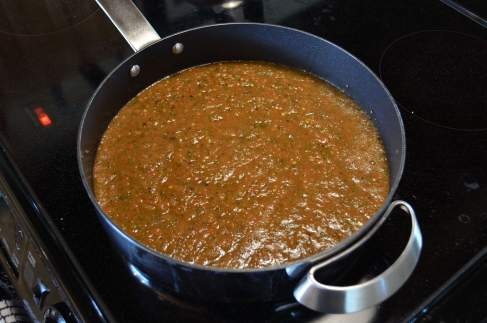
[(433, 59)]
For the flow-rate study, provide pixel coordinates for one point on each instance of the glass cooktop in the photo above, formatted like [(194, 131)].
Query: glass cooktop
[(431, 57)]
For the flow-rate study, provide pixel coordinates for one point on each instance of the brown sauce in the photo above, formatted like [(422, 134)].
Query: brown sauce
[(240, 165)]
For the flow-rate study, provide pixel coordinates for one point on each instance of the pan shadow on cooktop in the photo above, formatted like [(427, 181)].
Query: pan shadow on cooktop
[(439, 76)]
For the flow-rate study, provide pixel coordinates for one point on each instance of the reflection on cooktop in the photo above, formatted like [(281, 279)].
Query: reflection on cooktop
[(280, 312), (475, 10), (436, 70), (51, 16)]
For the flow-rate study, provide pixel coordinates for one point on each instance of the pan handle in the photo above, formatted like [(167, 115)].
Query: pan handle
[(347, 299), (130, 22)]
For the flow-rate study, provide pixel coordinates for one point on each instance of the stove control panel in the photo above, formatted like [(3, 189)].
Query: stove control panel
[(28, 266)]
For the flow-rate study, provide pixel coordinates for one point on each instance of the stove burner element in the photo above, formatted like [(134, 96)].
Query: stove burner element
[(440, 77), (16, 17)]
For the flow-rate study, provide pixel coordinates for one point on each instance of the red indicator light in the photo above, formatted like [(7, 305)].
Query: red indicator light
[(42, 117)]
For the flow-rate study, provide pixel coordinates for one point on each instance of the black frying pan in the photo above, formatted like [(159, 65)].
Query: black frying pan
[(156, 58)]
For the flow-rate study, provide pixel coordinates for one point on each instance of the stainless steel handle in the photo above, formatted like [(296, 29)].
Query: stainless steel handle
[(348, 299), (130, 22)]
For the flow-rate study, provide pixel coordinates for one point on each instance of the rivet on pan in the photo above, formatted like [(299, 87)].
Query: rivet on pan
[(177, 48), (135, 70)]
